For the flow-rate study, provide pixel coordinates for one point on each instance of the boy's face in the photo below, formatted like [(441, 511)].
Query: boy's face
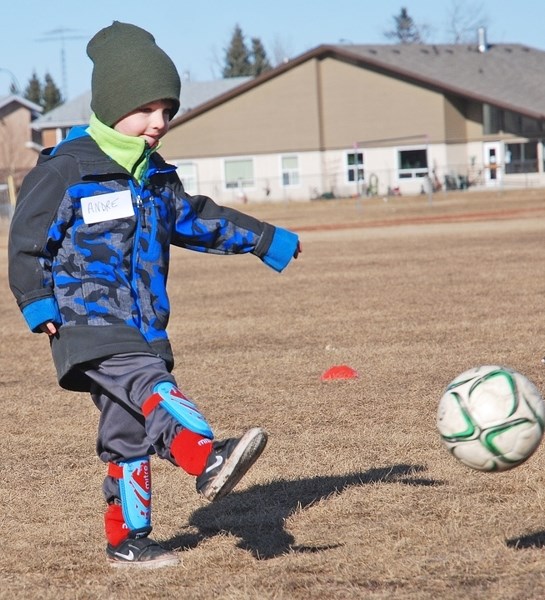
[(149, 122)]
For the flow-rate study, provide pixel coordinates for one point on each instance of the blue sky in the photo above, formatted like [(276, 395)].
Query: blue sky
[(196, 33)]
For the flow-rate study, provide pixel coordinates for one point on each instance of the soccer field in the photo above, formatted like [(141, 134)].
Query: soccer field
[(354, 497)]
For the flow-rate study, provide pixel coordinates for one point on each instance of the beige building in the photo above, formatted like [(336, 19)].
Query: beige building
[(357, 119), (52, 127), (350, 120), (17, 143), (18, 147)]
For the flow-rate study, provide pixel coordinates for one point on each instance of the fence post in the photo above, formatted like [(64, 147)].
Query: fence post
[(12, 194)]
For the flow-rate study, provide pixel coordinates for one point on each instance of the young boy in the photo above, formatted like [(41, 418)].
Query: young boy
[(88, 264)]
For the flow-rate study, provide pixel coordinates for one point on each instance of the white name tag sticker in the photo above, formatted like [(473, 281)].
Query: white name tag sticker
[(105, 207)]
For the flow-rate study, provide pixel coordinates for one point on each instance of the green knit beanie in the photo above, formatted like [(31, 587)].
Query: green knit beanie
[(129, 70)]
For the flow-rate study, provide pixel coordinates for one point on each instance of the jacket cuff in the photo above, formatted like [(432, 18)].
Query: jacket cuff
[(41, 311), (281, 250)]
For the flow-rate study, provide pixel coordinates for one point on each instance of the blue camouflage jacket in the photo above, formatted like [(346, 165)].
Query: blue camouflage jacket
[(89, 250)]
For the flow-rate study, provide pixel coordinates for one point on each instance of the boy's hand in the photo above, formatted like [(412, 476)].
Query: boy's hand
[(49, 328), (298, 250)]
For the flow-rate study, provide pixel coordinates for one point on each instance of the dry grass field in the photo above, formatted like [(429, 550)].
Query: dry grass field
[(354, 496)]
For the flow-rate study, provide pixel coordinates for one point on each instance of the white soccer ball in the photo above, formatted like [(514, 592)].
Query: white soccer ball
[(491, 418)]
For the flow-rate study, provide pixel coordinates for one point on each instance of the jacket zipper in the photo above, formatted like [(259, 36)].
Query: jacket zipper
[(140, 222)]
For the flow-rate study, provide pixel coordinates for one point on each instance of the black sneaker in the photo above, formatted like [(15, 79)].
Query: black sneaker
[(228, 463), (140, 553)]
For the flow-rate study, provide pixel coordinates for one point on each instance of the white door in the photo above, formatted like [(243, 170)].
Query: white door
[(492, 160)]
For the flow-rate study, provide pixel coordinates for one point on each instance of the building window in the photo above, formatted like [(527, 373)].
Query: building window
[(36, 137), (62, 132), (531, 126), (520, 125), (412, 163), (492, 119), (239, 173), (354, 167), (187, 172), (290, 170), (521, 158)]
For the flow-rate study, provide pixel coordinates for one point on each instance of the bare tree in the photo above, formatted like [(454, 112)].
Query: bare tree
[(281, 51), (464, 19)]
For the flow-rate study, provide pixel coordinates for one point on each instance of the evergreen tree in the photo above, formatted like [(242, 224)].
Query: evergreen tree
[(237, 56), (405, 30), (51, 95), (260, 62), (46, 95), (33, 91), (240, 61)]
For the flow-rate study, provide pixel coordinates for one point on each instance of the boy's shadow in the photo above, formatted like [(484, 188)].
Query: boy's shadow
[(256, 516), (532, 540)]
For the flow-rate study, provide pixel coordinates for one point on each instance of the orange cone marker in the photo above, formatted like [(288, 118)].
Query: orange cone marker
[(339, 372)]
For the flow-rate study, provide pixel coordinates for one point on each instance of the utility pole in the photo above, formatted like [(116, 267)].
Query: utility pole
[(62, 34)]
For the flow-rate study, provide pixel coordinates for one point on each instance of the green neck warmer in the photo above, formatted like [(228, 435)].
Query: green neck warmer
[(132, 153)]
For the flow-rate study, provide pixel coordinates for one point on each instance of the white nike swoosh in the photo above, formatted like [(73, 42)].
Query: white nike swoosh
[(217, 463), (129, 556)]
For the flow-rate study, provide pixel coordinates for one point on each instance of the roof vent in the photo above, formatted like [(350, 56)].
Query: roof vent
[(481, 37)]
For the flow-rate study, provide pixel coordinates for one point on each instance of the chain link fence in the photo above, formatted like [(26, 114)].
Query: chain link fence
[(334, 183)]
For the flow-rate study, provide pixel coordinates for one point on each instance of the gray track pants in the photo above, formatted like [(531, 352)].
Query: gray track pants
[(121, 384)]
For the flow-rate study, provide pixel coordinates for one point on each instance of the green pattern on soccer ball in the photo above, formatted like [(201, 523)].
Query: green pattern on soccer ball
[(454, 384), (537, 417), (492, 434), (499, 373), (470, 429)]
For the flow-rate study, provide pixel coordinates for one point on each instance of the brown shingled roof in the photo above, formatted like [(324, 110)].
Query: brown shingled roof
[(510, 76)]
